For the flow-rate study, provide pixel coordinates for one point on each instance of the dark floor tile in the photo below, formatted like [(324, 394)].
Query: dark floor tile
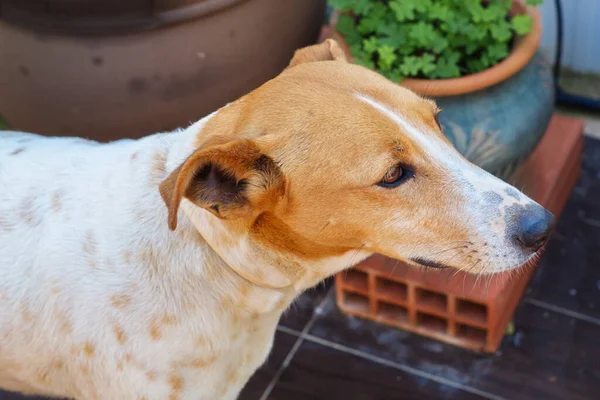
[(551, 356), (322, 373), (300, 312), (569, 274), (255, 388)]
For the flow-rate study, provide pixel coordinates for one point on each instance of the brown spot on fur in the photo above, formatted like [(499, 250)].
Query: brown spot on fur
[(119, 366), (85, 370), (151, 375), (89, 244), (54, 290), (88, 348), (176, 382), (159, 170), (128, 358), (26, 314), (168, 319), (120, 301), (64, 324), (16, 151), (134, 156), (120, 334), (231, 374), (154, 330), (56, 202)]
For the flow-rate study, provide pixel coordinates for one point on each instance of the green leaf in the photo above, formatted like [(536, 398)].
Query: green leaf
[(403, 9), (439, 44), (394, 75), (412, 65), (501, 31), (341, 5), (371, 44), (2, 125), (447, 67), (535, 2), (497, 52), (440, 12), (371, 22), (522, 24), (394, 35), (423, 34), (347, 28), (387, 57), (362, 7)]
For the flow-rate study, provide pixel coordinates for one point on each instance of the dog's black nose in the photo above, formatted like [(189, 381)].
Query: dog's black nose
[(534, 226)]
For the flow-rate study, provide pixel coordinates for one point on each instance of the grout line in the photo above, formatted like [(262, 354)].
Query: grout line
[(563, 311), (398, 366), (301, 336)]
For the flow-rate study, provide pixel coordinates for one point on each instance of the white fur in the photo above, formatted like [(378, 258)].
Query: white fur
[(82, 223)]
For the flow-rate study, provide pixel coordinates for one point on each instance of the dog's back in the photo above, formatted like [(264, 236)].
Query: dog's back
[(53, 286)]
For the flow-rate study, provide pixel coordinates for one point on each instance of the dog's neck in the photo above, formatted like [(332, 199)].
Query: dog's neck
[(273, 279)]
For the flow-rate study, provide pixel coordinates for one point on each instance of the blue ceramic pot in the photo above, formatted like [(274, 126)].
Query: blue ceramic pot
[(497, 128)]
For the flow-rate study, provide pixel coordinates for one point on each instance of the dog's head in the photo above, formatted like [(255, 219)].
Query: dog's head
[(330, 162)]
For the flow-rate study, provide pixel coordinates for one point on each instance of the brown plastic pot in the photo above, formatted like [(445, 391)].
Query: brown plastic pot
[(523, 50), (114, 69)]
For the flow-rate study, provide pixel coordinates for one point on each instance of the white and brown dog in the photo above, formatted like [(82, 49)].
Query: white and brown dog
[(106, 293)]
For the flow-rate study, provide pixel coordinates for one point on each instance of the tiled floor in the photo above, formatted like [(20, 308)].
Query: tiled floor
[(554, 354)]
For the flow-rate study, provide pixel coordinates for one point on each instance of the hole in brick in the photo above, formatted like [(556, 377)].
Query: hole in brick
[(433, 300), (392, 290), (356, 302), (432, 323), (356, 279), (471, 311), (471, 334), (393, 312)]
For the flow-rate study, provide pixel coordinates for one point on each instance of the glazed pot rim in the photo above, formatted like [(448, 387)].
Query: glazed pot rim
[(522, 52)]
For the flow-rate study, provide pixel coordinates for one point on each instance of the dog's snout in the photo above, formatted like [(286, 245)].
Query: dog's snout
[(533, 228)]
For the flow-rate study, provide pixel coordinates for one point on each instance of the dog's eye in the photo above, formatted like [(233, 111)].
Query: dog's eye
[(394, 177)]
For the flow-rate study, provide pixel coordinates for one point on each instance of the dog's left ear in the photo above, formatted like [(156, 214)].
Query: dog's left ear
[(231, 180), (329, 50)]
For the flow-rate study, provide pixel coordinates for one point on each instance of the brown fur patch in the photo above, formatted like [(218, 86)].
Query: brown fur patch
[(155, 330), (120, 301), (176, 382), (88, 349), (151, 375), (120, 334), (26, 313), (159, 169)]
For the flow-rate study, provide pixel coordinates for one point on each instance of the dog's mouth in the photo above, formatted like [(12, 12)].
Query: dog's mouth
[(428, 263)]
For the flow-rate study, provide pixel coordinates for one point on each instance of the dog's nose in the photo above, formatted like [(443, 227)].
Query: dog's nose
[(534, 227)]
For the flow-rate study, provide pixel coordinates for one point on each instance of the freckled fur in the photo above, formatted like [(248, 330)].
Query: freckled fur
[(101, 299)]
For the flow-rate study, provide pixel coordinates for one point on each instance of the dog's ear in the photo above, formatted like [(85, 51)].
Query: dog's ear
[(329, 50), (231, 180)]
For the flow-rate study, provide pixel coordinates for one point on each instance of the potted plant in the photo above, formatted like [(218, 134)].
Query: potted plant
[(477, 58), (108, 69)]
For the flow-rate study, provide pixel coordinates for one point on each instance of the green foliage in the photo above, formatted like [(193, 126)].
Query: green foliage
[(431, 39)]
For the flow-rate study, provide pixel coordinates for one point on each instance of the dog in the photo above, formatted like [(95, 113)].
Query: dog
[(159, 268)]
